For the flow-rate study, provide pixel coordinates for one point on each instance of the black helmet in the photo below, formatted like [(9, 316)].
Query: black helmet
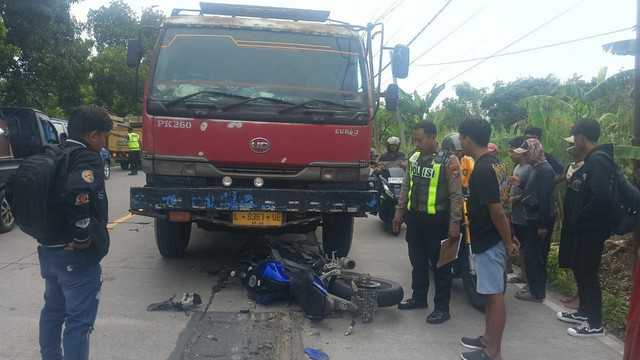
[(451, 142)]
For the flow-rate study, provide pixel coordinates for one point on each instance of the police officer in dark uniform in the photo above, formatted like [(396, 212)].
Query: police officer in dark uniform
[(431, 199)]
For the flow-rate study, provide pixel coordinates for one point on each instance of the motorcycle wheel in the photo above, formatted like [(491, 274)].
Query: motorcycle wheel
[(469, 282), (390, 293)]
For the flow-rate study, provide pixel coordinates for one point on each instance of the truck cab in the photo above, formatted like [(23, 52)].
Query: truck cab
[(256, 119)]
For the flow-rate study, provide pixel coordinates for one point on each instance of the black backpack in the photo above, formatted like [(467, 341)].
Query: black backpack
[(626, 201), (36, 188)]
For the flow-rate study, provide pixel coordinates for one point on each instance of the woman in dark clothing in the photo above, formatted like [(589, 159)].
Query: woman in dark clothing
[(538, 202)]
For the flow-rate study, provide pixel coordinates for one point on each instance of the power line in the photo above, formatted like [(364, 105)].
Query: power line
[(531, 49), (429, 23), (452, 31), (385, 12), (419, 32), (517, 40)]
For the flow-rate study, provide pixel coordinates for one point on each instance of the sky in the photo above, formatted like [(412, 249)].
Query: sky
[(468, 29)]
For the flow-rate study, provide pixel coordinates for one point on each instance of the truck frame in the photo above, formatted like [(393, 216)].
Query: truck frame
[(259, 119)]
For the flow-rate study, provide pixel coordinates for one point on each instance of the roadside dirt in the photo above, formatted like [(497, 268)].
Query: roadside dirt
[(616, 268)]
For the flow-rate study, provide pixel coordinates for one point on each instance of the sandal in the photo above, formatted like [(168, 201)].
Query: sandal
[(517, 280)]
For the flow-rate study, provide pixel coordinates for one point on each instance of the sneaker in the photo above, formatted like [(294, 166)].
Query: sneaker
[(470, 343), (572, 318), (585, 330), (475, 355)]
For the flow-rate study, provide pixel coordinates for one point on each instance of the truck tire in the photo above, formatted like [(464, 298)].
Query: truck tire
[(469, 283), (7, 221), (390, 293), (337, 233), (172, 238), (124, 165)]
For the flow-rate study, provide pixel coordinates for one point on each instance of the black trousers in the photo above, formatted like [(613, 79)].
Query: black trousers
[(134, 160), (588, 255), (424, 239), (536, 257)]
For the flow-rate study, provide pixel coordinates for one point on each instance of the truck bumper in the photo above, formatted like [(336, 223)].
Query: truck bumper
[(149, 200)]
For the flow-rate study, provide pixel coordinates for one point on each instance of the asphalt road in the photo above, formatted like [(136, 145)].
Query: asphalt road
[(135, 276)]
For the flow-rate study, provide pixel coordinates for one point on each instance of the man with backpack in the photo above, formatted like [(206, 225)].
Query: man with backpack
[(70, 252), (593, 224)]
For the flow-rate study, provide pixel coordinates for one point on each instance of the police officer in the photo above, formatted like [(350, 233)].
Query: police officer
[(134, 151), (133, 140), (431, 199)]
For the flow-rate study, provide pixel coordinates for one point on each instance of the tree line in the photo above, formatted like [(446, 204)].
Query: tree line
[(51, 61)]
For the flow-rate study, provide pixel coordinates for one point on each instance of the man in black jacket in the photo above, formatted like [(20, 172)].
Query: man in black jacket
[(70, 260), (591, 221)]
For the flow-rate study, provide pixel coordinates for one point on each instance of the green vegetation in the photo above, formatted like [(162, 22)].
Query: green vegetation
[(47, 63)]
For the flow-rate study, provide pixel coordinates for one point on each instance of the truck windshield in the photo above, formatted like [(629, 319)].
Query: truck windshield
[(292, 67)]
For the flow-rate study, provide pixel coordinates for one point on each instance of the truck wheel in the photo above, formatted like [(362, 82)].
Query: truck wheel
[(390, 293), (469, 283), (337, 232), (124, 165), (172, 238), (7, 221)]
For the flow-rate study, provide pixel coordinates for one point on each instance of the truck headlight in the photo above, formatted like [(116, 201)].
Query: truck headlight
[(339, 174)]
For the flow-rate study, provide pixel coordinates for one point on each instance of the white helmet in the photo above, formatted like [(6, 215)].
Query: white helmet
[(393, 141)]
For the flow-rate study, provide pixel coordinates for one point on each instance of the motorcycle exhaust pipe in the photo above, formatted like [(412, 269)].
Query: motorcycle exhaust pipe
[(347, 263)]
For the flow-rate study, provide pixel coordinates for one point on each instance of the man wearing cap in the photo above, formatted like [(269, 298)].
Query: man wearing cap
[(538, 202), (573, 178), (431, 199), (592, 223)]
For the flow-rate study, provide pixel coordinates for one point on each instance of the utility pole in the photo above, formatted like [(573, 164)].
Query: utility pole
[(636, 135), (399, 117)]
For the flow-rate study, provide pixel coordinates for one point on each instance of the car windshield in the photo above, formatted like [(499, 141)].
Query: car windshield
[(252, 63)]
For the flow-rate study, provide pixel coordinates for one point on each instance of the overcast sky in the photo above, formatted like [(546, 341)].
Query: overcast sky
[(483, 28)]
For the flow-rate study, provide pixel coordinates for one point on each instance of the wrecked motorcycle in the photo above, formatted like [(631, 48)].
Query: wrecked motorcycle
[(319, 288)]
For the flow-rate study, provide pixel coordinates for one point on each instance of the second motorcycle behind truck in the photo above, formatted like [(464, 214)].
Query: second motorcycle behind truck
[(259, 119)]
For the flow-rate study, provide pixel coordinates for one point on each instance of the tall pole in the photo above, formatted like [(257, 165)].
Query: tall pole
[(636, 137), (398, 116)]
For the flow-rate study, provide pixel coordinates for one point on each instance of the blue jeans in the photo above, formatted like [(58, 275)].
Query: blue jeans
[(71, 297)]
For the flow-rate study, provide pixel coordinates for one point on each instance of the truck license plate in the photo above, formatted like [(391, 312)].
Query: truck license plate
[(257, 218)]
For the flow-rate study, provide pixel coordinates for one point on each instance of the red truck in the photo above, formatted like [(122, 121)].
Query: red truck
[(259, 119)]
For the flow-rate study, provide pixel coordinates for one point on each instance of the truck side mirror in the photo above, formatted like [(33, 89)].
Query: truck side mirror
[(400, 62), (134, 52), (391, 97)]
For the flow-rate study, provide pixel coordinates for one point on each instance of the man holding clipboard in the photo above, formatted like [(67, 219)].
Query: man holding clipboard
[(431, 199)]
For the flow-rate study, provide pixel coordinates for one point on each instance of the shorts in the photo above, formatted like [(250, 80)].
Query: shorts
[(490, 269)]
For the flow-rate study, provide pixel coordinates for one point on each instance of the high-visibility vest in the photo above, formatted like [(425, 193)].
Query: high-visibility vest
[(428, 188), (134, 142)]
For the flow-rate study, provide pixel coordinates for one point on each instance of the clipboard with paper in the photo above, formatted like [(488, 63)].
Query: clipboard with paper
[(449, 251)]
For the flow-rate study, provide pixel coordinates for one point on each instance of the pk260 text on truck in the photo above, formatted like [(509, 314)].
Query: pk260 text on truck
[(259, 119)]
